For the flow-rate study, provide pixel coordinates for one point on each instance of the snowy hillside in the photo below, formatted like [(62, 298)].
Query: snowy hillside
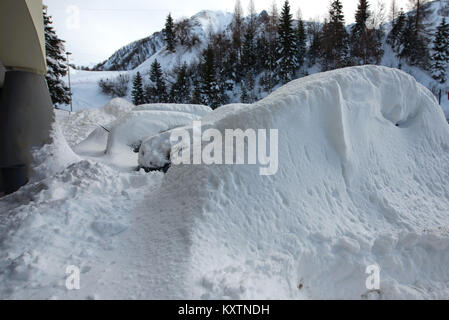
[(362, 179), (196, 34), (134, 54), (143, 52)]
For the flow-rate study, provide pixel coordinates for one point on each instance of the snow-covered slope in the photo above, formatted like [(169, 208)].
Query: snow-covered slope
[(140, 55), (143, 52), (363, 179), (85, 89)]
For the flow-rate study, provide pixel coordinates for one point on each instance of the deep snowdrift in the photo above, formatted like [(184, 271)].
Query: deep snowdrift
[(117, 142), (79, 125), (196, 109), (363, 179)]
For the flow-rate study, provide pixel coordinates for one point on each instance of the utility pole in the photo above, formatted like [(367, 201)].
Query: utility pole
[(70, 85)]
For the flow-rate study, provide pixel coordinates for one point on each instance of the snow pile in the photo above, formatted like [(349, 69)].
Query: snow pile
[(155, 151), (75, 217), (363, 179), (196, 109), (128, 132), (445, 105), (53, 157), (77, 126), (118, 142)]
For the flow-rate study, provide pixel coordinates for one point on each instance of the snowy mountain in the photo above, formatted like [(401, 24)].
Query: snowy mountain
[(142, 52), (196, 33), (134, 54)]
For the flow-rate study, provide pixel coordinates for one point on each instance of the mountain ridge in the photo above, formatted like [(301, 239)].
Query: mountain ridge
[(196, 33)]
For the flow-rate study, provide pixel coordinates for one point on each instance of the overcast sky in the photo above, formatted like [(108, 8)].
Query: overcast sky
[(95, 29)]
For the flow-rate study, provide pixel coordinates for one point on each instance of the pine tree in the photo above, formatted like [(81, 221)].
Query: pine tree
[(237, 27), (248, 51), (158, 92), (288, 62), (301, 42), (420, 56), (248, 90), (271, 57), (395, 35), (413, 48), (315, 31), (335, 40), (170, 33), (419, 13), (440, 57), (56, 64), (393, 11), (180, 91), (359, 33), (406, 49), (137, 93), (209, 85), (244, 96), (366, 47), (196, 95), (249, 55)]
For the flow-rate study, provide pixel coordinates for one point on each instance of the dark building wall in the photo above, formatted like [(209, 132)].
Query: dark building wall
[(26, 116), (2, 74), (2, 78)]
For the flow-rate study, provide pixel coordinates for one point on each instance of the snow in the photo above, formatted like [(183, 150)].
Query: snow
[(85, 89), (128, 132), (77, 126), (198, 110), (363, 180), (203, 24), (111, 133), (353, 189), (155, 151), (445, 104)]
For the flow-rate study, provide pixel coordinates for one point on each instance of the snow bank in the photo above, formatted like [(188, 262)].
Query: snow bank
[(196, 109), (75, 217), (445, 105), (86, 92), (155, 151), (363, 179), (52, 158), (77, 126), (129, 131), (119, 143)]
